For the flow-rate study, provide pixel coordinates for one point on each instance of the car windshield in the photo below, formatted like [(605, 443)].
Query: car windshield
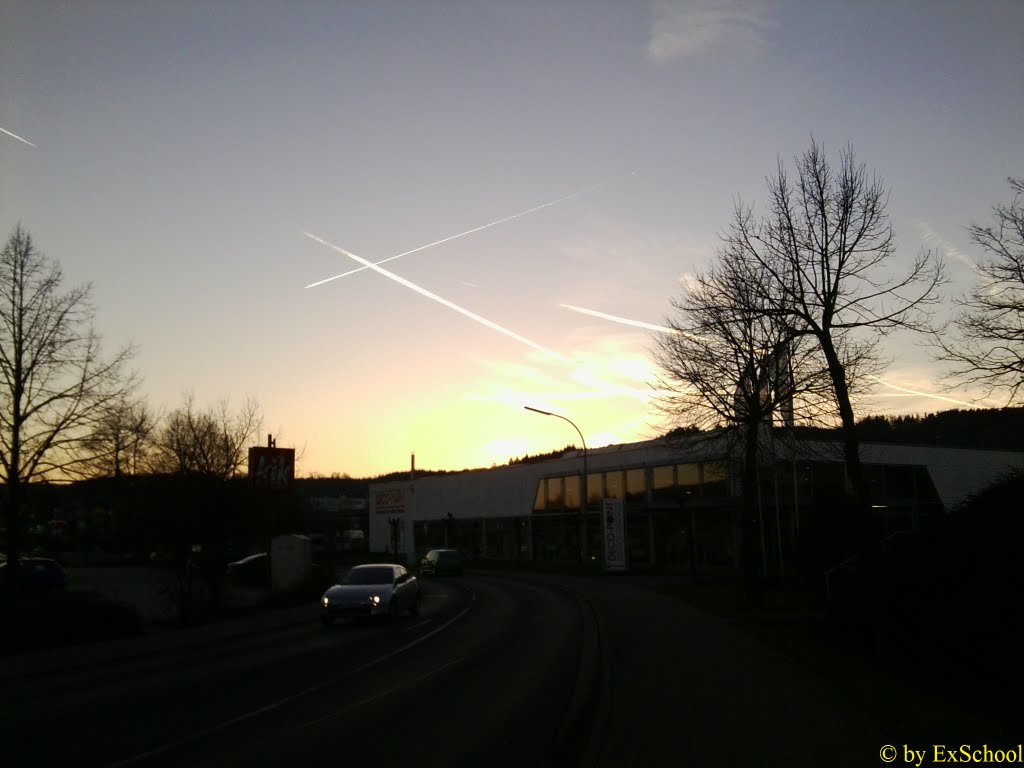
[(379, 575)]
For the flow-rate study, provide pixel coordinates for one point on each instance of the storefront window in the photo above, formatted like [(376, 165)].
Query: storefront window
[(595, 488), (613, 485), (688, 479), (716, 476), (663, 483), (556, 492), (636, 484), (572, 492)]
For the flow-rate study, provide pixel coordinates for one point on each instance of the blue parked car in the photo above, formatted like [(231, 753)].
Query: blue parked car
[(36, 574), (441, 562)]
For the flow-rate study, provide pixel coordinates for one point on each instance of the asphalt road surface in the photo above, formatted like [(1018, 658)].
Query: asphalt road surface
[(497, 671), (486, 675)]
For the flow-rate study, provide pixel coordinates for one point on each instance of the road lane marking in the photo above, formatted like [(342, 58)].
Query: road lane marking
[(380, 695), (286, 700)]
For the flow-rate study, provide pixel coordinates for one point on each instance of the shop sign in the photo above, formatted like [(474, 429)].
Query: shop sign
[(613, 534)]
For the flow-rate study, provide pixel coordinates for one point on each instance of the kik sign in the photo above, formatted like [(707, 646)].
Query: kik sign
[(272, 469)]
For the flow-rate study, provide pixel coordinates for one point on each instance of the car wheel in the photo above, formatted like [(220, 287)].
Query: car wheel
[(327, 620), (415, 608)]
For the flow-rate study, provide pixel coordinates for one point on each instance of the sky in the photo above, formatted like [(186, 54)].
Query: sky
[(201, 164)]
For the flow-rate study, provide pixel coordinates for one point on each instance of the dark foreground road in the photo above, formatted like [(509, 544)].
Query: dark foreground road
[(497, 671), (485, 676)]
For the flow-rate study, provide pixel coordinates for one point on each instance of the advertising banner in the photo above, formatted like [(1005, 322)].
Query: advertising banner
[(613, 533), (389, 501)]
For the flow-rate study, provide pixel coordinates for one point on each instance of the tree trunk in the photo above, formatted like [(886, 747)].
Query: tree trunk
[(750, 535), (851, 443)]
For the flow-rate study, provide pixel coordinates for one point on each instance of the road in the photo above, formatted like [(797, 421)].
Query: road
[(499, 670), (485, 676)]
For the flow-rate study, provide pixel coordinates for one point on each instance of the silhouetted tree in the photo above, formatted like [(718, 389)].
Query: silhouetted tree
[(212, 443), (989, 348), (824, 250), (121, 441), (731, 360), (55, 384)]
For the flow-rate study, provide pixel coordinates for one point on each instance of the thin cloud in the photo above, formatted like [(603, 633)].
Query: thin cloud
[(16, 136), (682, 28), (434, 297)]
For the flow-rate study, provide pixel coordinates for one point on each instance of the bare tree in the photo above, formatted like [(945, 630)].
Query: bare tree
[(731, 361), (54, 382), (210, 443), (989, 348), (826, 246), (121, 440)]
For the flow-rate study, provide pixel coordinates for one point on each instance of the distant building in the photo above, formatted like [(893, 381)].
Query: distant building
[(681, 500)]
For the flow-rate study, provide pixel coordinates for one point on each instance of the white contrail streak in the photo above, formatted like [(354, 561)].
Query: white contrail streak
[(627, 321), (16, 136), (664, 329), (452, 237), (622, 320), (440, 300), (922, 394)]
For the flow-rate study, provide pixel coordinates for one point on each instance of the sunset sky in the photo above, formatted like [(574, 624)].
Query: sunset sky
[(202, 163)]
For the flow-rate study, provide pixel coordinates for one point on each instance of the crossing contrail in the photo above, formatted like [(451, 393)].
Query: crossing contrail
[(621, 320), (922, 394), (16, 136), (453, 237), (664, 329), (440, 300)]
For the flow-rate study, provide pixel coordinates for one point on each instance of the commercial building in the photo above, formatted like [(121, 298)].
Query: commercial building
[(681, 502)]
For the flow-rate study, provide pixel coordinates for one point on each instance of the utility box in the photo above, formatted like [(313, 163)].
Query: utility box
[(291, 562)]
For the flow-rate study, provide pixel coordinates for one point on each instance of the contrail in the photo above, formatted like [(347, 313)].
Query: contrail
[(664, 329), (922, 394), (453, 237), (622, 320), (627, 321), (16, 136), (424, 292)]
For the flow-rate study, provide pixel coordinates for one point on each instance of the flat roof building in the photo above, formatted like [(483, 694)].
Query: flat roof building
[(680, 502)]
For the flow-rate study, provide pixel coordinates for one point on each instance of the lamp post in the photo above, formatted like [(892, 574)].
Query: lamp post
[(584, 495)]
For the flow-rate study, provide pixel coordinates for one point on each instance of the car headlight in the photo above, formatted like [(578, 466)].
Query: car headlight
[(374, 599), (325, 600)]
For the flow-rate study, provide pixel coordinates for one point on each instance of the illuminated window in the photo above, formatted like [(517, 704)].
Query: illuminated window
[(556, 492), (613, 485), (595, 488), (688, 479), (663, 480), (636, 484), (572, 492), (538, 500), (715, 481)]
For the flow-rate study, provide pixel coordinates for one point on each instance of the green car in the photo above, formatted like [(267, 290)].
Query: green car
[(441, 562)]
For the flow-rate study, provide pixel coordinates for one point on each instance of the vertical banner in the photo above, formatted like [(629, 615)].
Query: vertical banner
[(613, 533)]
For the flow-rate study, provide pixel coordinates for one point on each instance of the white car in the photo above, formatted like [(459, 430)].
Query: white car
[(380, 589)]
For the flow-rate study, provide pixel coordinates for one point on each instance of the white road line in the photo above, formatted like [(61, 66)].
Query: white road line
[(286, 700), (380, 695)]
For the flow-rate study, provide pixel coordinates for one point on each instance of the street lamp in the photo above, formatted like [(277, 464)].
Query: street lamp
[(584, 494)]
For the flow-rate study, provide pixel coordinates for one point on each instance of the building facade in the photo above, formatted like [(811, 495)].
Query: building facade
[(681, 502)]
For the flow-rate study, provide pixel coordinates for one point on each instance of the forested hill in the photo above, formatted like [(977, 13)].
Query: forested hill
[(997, 429)]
